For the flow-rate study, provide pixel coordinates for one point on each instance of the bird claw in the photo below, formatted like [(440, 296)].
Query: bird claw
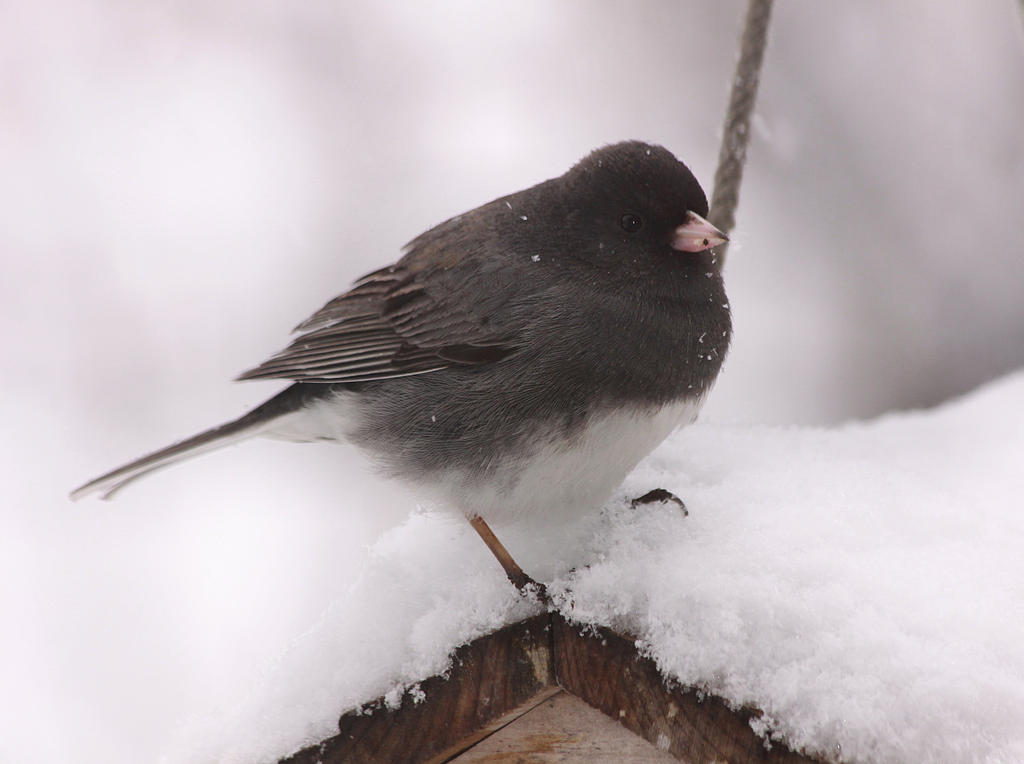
[(528, 587), (662, 496)]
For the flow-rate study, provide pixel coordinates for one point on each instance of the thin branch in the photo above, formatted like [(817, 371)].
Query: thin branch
[(736, 132)]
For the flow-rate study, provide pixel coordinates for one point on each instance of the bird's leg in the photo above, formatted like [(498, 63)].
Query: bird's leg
[(659, 494), (515, 574)]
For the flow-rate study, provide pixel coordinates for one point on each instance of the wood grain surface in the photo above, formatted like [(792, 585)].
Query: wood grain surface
[(604, 669), (489, 678), (501, 682)]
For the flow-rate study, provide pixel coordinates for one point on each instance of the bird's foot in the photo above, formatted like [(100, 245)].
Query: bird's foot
[(662, 496), (528, 587), (524, 583)]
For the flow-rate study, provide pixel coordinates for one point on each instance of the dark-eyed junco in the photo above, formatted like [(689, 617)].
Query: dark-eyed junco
[(519, 359)]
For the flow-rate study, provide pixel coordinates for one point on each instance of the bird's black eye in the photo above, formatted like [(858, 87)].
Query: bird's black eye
[(631, 223)]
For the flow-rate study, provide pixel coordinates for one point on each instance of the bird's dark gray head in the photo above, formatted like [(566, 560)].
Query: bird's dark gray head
[(642, 175), (630, 207)]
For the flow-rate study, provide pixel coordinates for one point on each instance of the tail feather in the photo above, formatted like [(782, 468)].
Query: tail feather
[(249, 425)]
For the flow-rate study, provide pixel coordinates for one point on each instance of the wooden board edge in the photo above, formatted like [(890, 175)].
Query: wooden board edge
[(500, 676), (490, 678), (604, 669)]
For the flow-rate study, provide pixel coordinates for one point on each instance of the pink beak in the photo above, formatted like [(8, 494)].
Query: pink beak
[(696, 235)]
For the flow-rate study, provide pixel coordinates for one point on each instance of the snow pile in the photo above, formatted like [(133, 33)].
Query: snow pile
[(428, 586), (862, 585)]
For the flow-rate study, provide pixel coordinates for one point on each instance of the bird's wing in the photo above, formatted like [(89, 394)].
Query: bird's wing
[(427, 312)]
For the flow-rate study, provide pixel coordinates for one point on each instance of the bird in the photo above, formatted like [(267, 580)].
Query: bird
[(518, 360)]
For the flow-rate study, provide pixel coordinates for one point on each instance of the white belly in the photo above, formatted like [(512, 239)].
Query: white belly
[(568, 479), (555, 477)]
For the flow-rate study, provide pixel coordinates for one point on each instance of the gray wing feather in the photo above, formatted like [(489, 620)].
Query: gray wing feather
[(413, 317)]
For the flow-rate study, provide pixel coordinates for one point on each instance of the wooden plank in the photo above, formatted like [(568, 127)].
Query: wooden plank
[(490, 677), (499, 678), (604, 669), (564, 730), (454, 751)]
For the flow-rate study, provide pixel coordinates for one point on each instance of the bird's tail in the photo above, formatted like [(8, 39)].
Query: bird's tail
[(257, 421)]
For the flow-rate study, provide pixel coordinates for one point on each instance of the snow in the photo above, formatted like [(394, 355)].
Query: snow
[(863, 585), (427, 587)]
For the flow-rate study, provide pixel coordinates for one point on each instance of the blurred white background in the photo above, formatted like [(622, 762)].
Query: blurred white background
[(182, 182)]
